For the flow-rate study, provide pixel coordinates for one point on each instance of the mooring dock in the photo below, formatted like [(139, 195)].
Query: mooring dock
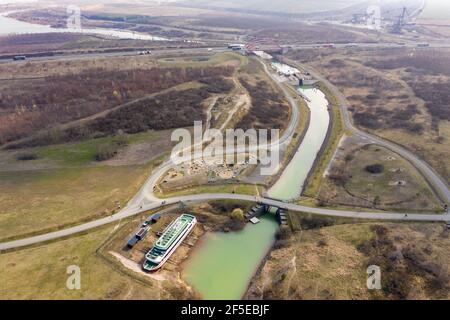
[(260, 209)]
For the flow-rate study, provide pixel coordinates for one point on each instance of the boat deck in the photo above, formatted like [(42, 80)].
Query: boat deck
[(173, 231)]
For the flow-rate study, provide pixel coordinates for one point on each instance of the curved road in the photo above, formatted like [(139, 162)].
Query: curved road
[(437, 183), (145, 200)]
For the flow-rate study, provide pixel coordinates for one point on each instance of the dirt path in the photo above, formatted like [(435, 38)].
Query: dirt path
[(209, 110), (242, 103), (133, 266)]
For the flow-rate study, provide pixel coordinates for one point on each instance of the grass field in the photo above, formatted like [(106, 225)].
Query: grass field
[(202, 60), (83, 153), (349, 183), (65, 185), (331, 262), (39, 272), (44, 200), (241, 188)]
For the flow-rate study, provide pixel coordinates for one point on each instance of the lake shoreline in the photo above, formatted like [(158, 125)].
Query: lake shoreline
[(12, 26)]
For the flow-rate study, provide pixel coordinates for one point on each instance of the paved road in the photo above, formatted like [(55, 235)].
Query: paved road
[(134, 210), (87, 55), (90, 55), (145, 200), (434, 179)]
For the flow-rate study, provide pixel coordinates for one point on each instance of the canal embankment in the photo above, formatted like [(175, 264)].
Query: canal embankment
[(325, 154)]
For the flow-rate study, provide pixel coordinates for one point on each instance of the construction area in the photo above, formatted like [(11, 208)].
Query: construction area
[(203, 172), (395, 20)]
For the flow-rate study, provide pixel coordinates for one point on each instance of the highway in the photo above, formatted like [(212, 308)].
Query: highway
[(125, 53), (145, 199), (218, 49)]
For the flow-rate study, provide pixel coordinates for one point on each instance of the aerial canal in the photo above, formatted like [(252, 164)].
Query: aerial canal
[(223, 265), (290, 185)]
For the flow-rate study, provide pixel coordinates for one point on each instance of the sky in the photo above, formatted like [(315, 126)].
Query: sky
[(435, 2)]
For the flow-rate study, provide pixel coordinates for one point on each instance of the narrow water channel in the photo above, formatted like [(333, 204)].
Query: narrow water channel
[(223, 265), (290, 184)]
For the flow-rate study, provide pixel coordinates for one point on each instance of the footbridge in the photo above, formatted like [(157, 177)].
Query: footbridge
[(263, 207)]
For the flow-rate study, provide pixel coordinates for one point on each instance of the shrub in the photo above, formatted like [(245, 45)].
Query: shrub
[(234, 225), (237, 214), (106, 151), (375, 168), (308, 223), (349, 157), (224, 207), (339, 177), (283, 233), (27, 156)]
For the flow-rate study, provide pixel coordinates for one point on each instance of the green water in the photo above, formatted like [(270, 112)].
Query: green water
[(224, 263), (222, 266)]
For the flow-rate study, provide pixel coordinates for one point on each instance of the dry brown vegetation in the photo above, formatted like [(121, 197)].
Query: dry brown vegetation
[(373, 177), (60, 99), (398, 94), (246, 22), (319, 33), (405, 262), (269, 108), (268, 111), (165, 111), (418, 66)]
